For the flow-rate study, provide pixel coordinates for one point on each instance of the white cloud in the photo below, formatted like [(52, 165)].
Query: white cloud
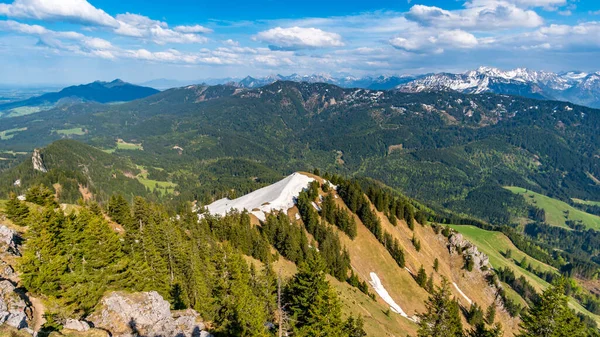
[(299, 38), (139, 26), (195, 29), (426, 42), (548, 4), (74, 11), (584, 37), (231, 43), (478, 15)]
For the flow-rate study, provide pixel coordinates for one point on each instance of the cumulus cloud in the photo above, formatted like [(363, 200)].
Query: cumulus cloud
[(82, 12), (139, 26), (434, 42), (73, 11), (478, 15), (295, 38), (195, 29), (548, 4)]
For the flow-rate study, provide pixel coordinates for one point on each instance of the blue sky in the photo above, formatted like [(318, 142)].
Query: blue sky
[(75, 41)]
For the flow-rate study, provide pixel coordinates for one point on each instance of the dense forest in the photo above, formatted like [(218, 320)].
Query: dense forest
[(449, 150)]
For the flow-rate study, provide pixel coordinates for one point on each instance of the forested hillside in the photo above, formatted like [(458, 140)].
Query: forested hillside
[(372, 234), (344, 242), (451, 150)]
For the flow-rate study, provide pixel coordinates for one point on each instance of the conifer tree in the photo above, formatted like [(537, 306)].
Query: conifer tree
[(481, 330), (311, 303), (16, 210), (551, 316), (490, 315), (442, 316), (421, 277)]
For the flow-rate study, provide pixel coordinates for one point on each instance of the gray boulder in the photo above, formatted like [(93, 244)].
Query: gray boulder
[(12, 306), (9, 241), (456, 242), (146, 314), (73, 324)]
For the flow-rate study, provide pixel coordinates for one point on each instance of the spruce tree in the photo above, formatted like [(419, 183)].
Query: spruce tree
[(490, 315), (311, 303), (442, 316), (481, 330), (421, 277), (551, 316), (16, 210)]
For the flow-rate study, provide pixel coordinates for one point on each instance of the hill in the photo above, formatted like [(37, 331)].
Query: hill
[(380, 251), (451, 150), (101, 92), (558, 213)]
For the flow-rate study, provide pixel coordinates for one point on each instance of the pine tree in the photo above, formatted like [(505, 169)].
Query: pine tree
[(442, 318), (16, 210), (238, 310), (421, 277), (430, 286), (354, 327), (475, 314), (480, 330), (41, 195), (490, 315), (436, 264), (311, 303), (551, 316)]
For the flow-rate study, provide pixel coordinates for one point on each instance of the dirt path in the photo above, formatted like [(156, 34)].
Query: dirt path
[(38, 313)]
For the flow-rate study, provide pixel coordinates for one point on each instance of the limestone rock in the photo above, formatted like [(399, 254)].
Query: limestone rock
[(9, 241), (73, 324), (457, 242), (12, 306), (147, 314), (38, 162)]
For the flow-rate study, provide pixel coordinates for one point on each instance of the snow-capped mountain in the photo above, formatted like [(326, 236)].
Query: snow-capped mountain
[(577, 87), (368, 82)]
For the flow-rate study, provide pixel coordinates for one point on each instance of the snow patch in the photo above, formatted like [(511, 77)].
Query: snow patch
[(277, 197), (381, 291), (463, 294)]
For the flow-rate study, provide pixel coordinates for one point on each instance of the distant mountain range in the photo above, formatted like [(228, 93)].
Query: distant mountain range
[(101, 92), (368, 82), (576, 87)]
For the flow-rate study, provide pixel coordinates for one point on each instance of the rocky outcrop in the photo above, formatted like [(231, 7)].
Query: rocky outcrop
[(73, 324), (146, 314), (38, 162), (12, 306), (457, 243), (9, 241)]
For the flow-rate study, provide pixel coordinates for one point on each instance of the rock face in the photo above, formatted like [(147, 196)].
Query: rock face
[(145, 314), (13, 303), (38, 163), (457, 242), (9, 241), (73, 324), (12, 306)]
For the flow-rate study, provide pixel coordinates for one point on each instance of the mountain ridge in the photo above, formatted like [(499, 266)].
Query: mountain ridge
[(97, 91)]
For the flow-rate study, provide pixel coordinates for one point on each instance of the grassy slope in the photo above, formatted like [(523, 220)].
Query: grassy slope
[(587, 202), (555, 209), (368, 255), (164, 187), (494, 244), (355, 303), (71, 132)]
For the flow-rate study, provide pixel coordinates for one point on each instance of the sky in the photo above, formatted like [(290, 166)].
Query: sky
[(79, 41)]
